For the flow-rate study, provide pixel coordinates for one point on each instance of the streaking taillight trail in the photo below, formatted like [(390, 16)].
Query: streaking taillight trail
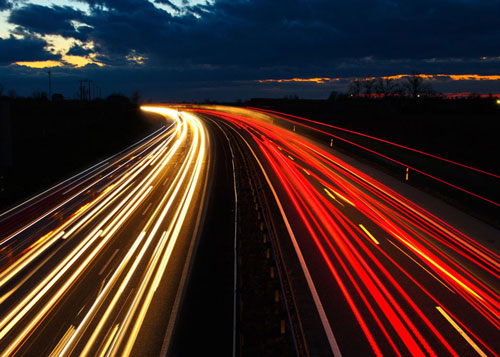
[(407, 276)]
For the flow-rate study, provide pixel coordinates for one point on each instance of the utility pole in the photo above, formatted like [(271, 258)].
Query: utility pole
[(82, 92), (50, 84)]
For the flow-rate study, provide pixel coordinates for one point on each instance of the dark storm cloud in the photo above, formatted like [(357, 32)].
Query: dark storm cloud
[(300, 31), (27, 49), (241, 40), (125, 26), (278, 33), (76, 50), (47, 20), (4, 5), (296, 33)]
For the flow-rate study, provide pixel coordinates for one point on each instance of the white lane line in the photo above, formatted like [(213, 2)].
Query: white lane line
[(368, 234), (461, 332), (147, 208), (319, 306), (108, 262), (235, 242)]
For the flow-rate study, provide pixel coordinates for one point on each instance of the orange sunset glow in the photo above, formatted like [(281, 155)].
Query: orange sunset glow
[(453, 77)]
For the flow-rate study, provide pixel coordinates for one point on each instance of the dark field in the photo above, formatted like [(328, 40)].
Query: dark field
[(53, 140)]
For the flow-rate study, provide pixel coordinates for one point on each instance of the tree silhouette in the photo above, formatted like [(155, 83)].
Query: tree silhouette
[(368, 85), (355, 87), (416, 86), (333, 96), (385, 86)]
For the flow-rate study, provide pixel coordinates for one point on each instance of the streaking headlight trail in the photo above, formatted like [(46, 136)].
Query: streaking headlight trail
[(82, 279)]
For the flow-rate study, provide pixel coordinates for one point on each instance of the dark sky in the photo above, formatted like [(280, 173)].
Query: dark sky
[(185, 50)]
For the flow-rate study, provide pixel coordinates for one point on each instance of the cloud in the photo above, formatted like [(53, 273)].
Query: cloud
[(38, 19), (77, 50), (242, 41), (279, 33), (27, 49), (5, 5), (169, 4)]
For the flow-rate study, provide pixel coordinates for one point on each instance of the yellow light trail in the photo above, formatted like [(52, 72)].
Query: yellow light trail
[(106, 215), (25, 260), (46, 241)]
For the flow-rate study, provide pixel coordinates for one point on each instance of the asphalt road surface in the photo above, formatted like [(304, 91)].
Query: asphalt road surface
[(386, 276), (95, 266)]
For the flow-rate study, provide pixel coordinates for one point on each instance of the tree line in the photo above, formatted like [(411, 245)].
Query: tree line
[(413, 85)]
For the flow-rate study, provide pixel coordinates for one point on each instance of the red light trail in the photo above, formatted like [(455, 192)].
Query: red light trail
[(414, 284), (286, 117)]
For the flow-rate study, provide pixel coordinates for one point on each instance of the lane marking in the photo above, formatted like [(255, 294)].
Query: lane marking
[(345, 199), (368, 234), (235, 241), (291, 158), (81, 310), (108, 262), (147, 208), (307, 172), (312, 288), (461, 332), (333, 197)]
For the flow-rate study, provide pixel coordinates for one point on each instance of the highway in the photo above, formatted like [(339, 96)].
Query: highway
[(96, 265), (387, 277)]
